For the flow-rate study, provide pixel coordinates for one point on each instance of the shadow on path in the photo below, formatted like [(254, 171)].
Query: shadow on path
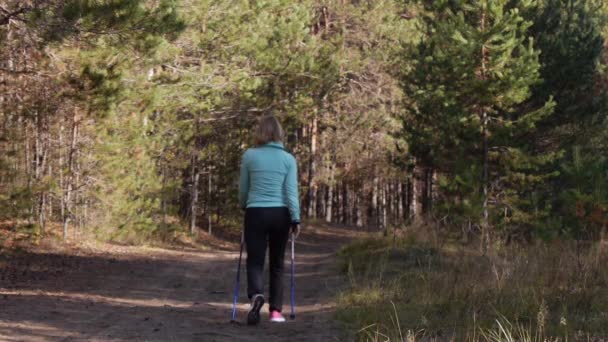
[(161, 295)]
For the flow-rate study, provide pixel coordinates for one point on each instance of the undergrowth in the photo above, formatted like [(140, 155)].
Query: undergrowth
[(413, 288)]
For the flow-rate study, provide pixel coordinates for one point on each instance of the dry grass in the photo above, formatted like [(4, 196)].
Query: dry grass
[(449, 291)]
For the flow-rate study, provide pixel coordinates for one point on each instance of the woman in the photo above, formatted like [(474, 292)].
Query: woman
[(268, 191)]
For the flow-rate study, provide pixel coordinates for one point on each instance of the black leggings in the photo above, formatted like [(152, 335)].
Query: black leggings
[(266, 226)]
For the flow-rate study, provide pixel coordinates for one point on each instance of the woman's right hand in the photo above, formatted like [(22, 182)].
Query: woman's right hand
[(295, 230)]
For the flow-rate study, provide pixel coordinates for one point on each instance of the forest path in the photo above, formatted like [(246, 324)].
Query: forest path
[(148, 294)]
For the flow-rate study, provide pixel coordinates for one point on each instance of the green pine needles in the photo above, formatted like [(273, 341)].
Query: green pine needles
[(471, 75)]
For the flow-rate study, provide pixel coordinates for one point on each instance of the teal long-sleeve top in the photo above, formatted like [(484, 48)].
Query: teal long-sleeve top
[(269, 178)]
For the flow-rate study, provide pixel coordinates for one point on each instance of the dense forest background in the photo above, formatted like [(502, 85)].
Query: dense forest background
[(127, 119)]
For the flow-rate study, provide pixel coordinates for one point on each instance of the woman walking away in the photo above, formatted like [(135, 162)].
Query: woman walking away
[(268, 191)]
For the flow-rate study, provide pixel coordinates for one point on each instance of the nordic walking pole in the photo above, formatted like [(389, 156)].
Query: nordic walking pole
[(238, 277), (293, 282)]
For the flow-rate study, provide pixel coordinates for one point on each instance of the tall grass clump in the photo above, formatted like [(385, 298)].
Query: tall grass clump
[(414, 288)]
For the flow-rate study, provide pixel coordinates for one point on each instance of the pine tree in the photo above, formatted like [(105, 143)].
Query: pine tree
[(569, 34), (582, 205), (61, 71), (472, 69)]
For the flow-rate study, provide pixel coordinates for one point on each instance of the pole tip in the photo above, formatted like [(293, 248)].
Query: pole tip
[(292, 316)]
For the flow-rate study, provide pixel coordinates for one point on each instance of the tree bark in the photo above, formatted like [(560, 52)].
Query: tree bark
[(312, 186), (208, 203), (163, 196), (383, 213), (374, 211), (320, 205), (345, 200), (428, 190), (77, 193), (49, 202), (330, 196), (61, 170), (338, 204), (36, 160), (405, 199), (358, 210), (41, 149), (485, 224), (194, 192), (68, 192), (399, 199), (415, 197)]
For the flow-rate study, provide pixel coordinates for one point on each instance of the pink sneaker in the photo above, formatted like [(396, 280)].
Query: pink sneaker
[(275, 316)]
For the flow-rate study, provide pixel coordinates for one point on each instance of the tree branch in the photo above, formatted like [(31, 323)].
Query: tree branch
[(7, 16)]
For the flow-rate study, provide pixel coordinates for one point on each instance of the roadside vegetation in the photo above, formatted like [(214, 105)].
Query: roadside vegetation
[(422, 285)]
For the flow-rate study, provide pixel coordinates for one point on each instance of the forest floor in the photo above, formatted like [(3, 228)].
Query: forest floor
[(122, 293)]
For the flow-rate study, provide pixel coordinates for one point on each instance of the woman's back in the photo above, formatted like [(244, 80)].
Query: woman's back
[(269, 179)]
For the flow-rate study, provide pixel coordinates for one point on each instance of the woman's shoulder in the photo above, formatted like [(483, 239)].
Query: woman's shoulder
[(259, 152), (289, 158), (253, 152), (248, 154)]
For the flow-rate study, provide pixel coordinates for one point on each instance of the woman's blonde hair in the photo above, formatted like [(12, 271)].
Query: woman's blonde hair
[(268, 129)]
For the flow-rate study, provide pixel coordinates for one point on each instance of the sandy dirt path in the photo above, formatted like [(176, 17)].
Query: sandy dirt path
[(146, 294)]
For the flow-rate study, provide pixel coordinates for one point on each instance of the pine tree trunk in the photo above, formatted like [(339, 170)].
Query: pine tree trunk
[(359, 210), (312, 187), (85, 212), (163, 196), (393, 213), (435, 192), (68, 192), (406, 198), (320, 207), (28, 163), (388, 201), (208, 203), (77, 194), (383, 211), (37, 147), (345, 200), (374, 211), (399, 200), (42, 169), (330, 195), (85, 209), (352, 205), (61, 170), (428, 190), (415, 197), (194, 192), (485, 224), (338, 204), (49, 204)]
